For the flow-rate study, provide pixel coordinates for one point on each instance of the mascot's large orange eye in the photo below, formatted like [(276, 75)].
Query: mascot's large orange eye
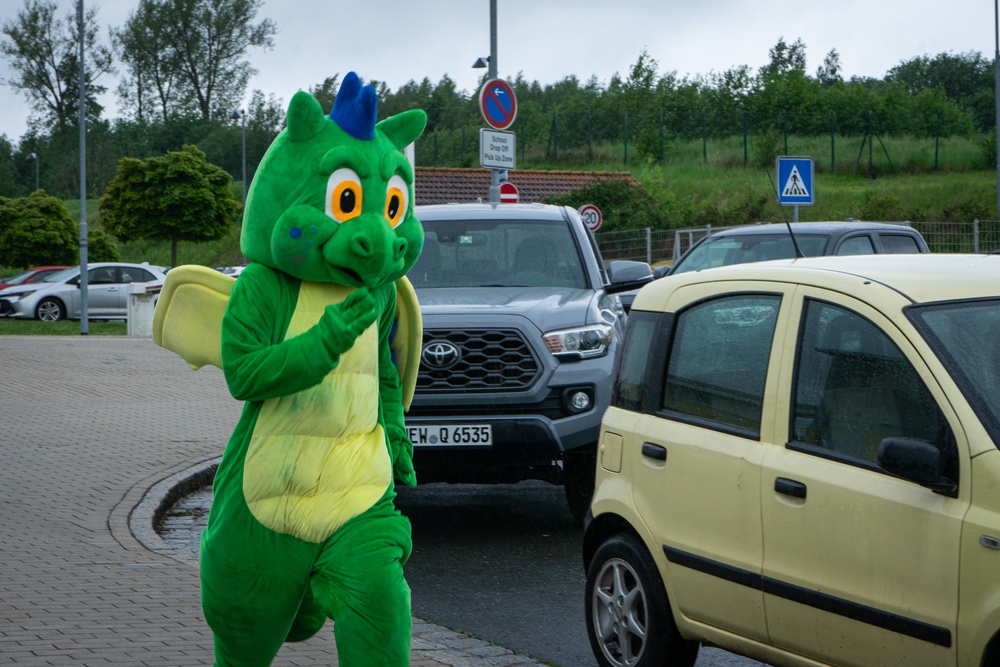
[(396, 200), (343, 195)]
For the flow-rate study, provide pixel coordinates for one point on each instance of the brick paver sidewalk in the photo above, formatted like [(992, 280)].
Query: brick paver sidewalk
[(88, 426)]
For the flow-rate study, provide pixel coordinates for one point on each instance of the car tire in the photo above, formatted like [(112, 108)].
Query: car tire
[(629, 620), (50, 309), (579, 468)]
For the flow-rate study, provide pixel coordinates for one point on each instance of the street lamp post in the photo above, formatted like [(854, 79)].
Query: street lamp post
[(34, 156), (491, 73), (241, 114)]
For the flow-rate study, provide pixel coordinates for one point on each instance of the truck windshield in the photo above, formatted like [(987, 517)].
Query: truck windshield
[(498, 253), (963, 335), (738, 249)]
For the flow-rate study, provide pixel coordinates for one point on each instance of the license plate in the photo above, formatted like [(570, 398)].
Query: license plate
[(451, 435)]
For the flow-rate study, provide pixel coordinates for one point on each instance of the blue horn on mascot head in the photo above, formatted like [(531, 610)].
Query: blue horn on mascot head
[(355, 109)]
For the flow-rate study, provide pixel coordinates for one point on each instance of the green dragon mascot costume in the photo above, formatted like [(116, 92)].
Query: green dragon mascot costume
[(315, 336)]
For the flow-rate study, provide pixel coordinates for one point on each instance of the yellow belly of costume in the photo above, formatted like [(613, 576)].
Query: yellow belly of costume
[(318, 457)]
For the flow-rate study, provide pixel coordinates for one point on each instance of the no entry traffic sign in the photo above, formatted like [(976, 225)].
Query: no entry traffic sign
[(498, 104), (508, 193)]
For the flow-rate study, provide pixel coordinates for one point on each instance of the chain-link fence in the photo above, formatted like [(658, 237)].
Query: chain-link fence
[(663, 246)]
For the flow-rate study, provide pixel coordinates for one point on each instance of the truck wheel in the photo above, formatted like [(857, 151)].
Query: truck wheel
[(579, 468)]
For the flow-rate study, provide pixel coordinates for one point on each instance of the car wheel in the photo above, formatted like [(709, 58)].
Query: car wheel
[(579, 467), (629, 620), (50, 310)]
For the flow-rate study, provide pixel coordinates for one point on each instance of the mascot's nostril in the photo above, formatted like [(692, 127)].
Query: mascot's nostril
[(399, 245), (362, 246)]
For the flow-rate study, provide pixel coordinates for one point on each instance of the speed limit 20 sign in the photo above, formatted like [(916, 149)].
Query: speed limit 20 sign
[(591, 216)]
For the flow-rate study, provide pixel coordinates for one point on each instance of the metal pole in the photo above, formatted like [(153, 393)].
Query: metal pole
[(243, 115), (84, 278), (996, 90), (492, 74)]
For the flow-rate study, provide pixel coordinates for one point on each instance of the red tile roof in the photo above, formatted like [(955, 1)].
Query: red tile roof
[(441, 185)]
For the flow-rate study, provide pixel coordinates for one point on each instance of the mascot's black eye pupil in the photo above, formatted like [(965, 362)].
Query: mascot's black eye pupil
[(347, 201), (393, 206)]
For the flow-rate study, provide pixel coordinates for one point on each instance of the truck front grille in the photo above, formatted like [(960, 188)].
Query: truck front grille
[(488, 360)]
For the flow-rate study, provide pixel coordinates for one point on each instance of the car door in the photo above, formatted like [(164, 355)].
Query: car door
[(104, 290), (698, 452), (860, 567)]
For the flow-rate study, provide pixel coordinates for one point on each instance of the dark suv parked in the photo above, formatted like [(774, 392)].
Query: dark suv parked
[(757, 243)]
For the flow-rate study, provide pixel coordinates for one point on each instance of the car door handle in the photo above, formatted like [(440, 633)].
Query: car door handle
[(649, 450), (790, 487)]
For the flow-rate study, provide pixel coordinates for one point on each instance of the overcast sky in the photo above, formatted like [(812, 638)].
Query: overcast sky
[(396, 41)]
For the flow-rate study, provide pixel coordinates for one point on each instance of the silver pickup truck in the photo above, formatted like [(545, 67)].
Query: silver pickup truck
[(521, 325)]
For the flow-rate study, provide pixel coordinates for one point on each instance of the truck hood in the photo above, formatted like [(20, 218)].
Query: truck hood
[(548, 307)]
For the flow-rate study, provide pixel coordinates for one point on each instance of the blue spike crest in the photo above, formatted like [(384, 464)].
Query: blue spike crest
[(356, 108)]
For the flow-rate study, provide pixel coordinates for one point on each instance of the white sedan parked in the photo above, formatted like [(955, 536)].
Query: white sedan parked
[(58, 295)]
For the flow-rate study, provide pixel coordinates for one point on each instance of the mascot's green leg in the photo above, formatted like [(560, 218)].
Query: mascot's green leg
[(251, 610), (359, 582)]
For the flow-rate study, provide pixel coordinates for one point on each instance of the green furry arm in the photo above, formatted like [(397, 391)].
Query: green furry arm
[(258, 364)]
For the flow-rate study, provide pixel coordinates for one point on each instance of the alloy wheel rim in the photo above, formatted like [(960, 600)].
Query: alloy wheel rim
[(48, 312), (620, 613)]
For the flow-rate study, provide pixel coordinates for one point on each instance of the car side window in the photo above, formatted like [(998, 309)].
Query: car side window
[(854, 387), (898, 243), (134, 275), (633, 385), (104, 275), (856, 245), (718, 360)]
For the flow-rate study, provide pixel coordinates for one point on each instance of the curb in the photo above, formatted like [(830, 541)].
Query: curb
[(430, 641), (145, 517)]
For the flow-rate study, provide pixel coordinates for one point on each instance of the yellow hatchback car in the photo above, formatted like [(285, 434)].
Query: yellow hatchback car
[(800, 464)]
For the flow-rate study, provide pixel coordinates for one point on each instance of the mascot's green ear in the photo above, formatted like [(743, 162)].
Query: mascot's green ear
[(305, 117), (404, 128)]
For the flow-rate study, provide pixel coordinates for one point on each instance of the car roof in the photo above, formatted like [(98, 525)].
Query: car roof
[(486, 211), (834, 227), (919, 278)]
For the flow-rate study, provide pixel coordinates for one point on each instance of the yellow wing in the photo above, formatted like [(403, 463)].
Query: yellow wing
[(408, 341), (188, 320), (188, 315)]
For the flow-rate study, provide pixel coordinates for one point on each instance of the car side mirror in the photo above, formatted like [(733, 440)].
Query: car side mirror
[(75, 282), (917, 461), (628, 275)]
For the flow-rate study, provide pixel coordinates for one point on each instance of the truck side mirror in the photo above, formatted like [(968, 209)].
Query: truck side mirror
[(628, 275)]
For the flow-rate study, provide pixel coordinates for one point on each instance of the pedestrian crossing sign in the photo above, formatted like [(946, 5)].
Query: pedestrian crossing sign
[(795, 181)]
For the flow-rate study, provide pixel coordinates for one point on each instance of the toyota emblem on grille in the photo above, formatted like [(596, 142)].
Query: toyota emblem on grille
[(440, 355)]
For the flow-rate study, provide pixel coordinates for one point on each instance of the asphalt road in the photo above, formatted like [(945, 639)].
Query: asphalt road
[(503, 563)]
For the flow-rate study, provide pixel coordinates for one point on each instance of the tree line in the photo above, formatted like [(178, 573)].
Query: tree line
[(179, 69)]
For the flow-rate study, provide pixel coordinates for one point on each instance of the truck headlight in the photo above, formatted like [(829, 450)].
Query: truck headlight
[(582, 342)]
